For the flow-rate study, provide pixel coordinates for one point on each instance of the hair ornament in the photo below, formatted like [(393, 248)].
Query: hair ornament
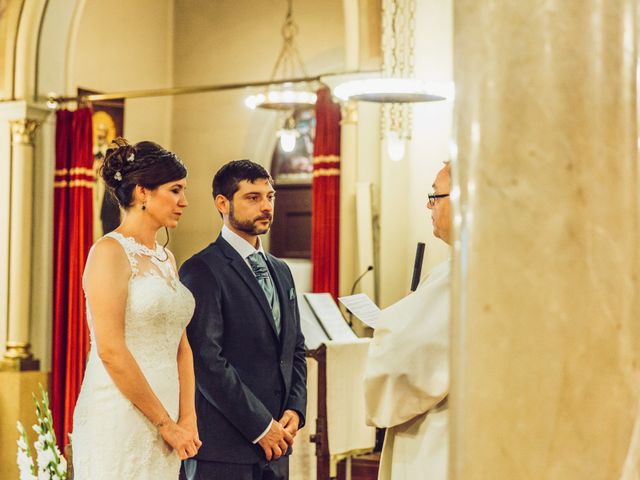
[(131, 158), (118, 176), (177, 159)]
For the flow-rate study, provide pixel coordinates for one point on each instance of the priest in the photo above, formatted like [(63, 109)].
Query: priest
[(407, 376)]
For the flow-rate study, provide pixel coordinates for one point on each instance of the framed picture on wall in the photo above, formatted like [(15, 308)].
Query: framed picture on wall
[(292, 171), (295, 163), (108, 123)]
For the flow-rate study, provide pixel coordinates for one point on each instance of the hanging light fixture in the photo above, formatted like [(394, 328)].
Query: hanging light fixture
[(397, 88), (398, 48), (288, 135), (395, 146), (286, 96), (397, 83), (385, 90)]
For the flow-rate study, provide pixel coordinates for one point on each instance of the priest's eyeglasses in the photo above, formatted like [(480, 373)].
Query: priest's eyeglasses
[(434, 196)]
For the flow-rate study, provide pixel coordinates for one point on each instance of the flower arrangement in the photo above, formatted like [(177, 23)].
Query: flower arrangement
[(51, 464), (25, 460)]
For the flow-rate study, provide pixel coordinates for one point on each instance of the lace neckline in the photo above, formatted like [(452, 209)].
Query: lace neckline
[(139, 247)]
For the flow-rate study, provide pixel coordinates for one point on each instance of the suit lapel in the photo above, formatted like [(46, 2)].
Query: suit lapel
[(244, 272)]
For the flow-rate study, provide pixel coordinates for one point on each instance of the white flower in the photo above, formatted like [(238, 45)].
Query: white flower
[(23, 459), (27, 475), (45, 457), (51, 465), (25, 464)]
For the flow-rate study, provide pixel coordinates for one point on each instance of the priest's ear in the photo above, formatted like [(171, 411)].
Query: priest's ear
[(222, 204)]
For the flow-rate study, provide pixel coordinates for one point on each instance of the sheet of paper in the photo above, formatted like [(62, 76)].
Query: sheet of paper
[(328, 314), (362, 307), (314, 335)]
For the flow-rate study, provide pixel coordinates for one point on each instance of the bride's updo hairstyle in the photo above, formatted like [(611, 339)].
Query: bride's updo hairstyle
[(146, 164)]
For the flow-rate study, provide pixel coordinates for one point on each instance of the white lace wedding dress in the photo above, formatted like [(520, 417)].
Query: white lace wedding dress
[(111, 438)]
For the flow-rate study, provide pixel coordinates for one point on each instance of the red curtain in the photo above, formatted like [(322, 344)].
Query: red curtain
[(325, 230), (73, 236)]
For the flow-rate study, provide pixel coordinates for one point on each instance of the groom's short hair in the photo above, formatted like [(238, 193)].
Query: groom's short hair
[(227, 180)]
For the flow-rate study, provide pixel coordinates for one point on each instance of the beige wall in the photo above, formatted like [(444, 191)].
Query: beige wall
[(228, 42), (404, 185), (124, 45), (16, 403)]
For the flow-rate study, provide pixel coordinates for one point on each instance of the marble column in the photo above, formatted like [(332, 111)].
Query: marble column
[(18, 355), (545, 309)]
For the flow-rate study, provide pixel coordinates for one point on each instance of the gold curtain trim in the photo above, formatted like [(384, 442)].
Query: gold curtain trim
[(75, 171), (73, 183), (326, 159), (326, 172)]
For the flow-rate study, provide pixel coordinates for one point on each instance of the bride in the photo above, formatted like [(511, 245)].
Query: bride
[(135, 416)]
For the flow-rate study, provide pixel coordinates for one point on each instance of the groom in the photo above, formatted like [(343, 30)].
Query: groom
[(245, 334)]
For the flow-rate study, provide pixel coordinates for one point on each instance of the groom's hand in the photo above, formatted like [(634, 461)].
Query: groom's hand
[(276, 442), (184, 442), (290, 421)]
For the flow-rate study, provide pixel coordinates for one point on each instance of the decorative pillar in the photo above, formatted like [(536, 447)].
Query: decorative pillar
[(18, 354), (545, 306), (348, 179)]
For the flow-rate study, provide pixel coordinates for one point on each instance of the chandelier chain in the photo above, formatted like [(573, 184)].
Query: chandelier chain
[(398, 37), (289, 58)]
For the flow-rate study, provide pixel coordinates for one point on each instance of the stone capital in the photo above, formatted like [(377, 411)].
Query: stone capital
[(349, 111), (23, 131)]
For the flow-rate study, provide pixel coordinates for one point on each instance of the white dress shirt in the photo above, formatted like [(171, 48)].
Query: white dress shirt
[(244, 249), (240, 245)]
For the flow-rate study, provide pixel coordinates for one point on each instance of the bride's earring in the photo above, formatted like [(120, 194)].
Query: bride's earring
[(144, 205)]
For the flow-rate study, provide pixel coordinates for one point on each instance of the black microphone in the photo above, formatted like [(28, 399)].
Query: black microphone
[(355, 284), (417, 266), (353, 289)]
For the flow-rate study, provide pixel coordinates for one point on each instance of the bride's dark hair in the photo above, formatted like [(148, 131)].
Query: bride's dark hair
[(146, 164)]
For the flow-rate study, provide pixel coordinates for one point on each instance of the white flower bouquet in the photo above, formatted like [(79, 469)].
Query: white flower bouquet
[(51, 464)]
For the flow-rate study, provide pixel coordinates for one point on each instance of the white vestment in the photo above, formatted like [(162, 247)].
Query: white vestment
[(407, 382)]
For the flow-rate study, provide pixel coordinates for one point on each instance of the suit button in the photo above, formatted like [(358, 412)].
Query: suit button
[(282, 363)]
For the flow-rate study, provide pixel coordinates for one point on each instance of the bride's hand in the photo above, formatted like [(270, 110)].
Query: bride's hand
[(190, 423), (184, 442)]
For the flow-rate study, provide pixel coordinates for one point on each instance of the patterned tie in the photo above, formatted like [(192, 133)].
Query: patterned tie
[(261, 271)]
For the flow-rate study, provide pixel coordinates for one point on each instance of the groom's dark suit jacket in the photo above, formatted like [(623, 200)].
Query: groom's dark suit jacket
[(245, 373)]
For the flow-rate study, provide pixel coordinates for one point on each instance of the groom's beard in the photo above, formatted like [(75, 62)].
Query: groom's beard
[(250, 226)]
